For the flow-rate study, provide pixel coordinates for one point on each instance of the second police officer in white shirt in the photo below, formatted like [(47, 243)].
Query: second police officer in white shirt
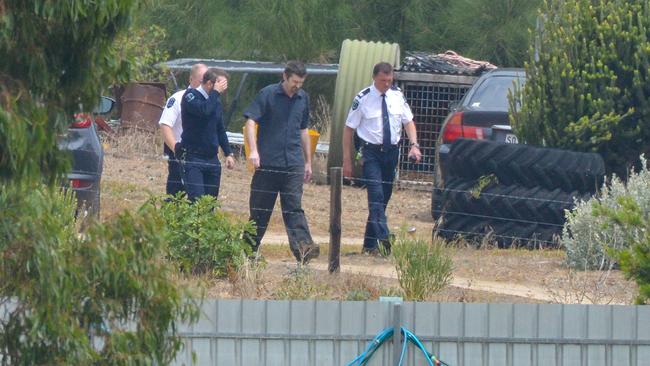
[(378, 114), (171, 127)]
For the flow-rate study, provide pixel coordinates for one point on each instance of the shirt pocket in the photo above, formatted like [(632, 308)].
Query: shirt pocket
[(395, 111), (372, 114)]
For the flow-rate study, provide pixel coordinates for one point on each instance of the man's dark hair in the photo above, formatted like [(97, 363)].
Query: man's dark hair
[(212, 74), (382, 67), (209, 75), (295, 68)]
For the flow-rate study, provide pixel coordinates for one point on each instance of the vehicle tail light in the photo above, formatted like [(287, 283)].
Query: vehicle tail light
[(80, 183), (82, 120), (454, 129)]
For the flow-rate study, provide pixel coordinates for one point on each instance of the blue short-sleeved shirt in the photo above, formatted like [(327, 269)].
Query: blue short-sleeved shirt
[(280, 120)]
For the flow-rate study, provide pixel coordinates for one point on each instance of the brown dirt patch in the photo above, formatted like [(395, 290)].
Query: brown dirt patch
[(132, 174)]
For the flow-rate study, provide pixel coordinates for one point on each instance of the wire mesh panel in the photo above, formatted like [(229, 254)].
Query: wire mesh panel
[(429, 97)]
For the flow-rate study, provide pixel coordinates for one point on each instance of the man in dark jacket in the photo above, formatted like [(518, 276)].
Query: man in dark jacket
[(203, 133)]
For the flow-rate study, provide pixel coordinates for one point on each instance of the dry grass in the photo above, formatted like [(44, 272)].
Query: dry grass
[(134, 142), (134, 170), (592, 287)]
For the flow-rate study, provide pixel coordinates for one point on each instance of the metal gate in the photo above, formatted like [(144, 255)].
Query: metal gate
[(430, 97)]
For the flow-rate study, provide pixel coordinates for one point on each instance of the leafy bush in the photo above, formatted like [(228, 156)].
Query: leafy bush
[(203, 238), (423, 268), (60, 288), (635, 261), (588, 81), (145, 48), (587, 237)]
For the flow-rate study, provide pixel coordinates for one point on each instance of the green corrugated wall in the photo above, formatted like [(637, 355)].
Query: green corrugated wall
[(355, 73)]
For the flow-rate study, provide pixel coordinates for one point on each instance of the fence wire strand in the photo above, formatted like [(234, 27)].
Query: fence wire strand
[(425, 189)]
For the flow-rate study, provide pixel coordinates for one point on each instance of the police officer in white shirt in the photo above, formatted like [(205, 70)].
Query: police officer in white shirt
[(378, 114), (171, 127)]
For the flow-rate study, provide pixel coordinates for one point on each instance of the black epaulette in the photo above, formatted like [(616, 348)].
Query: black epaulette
[(363, 93), (395, 87), (357, 99)]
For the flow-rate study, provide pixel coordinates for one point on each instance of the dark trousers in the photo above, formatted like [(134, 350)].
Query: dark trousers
[(266, 184), (174, 174), (202, 175), (378, 173)]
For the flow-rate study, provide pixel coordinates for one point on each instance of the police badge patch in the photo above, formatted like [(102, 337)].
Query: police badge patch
[(189, 97), (170, 102), (355, 104)]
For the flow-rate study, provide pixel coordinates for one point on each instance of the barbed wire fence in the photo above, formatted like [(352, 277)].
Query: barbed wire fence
[(460, 217)]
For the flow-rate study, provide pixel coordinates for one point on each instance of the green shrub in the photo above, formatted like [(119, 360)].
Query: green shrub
[(62, 287), (203, 238), (635, 260), (423, 268), (587, 237), (588, 80)]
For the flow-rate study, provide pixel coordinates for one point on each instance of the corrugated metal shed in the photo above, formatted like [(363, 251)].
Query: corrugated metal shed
[(355, 73)]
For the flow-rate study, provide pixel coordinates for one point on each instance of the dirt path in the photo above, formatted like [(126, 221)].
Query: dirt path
[(388, 271), (131, 177), (503, 288)]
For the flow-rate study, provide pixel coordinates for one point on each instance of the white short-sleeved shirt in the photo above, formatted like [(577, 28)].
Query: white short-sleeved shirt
[(365, 114), (171, 114)]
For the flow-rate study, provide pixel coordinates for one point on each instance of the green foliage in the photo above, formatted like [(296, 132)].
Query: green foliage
[(27, 140), (423, 268), (56, 57), (203, 238), (588, 238), (588, 82), (491, 30), (146, 49), (313, 30), (358, 294), (103, 296), (61, 52), (482, 183), (61, 288), (254, 29), (635, 261)]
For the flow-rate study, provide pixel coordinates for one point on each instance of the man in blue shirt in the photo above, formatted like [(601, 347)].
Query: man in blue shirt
[(282, 159), (203, 133)]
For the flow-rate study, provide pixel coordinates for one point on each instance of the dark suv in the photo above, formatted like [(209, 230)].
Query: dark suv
[(481, 114), (82, 141)]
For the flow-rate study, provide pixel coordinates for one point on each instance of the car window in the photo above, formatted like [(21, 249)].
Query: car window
[(492, 93)]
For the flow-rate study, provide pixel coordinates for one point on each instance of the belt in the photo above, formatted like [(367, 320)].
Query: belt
[(201, 153), (379, 147)]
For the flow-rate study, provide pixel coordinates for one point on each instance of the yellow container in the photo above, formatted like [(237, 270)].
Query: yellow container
[(313, 141)]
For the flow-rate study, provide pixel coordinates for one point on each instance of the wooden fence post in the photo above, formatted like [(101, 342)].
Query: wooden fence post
[(336, 184)]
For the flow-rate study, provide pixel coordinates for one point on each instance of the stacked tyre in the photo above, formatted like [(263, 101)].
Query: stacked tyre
[(516, 195)]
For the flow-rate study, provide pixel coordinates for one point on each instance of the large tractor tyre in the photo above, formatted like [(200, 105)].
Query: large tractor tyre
[(508, 234), (526, 205), (455, 226), (462, 162), (527, 165)]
